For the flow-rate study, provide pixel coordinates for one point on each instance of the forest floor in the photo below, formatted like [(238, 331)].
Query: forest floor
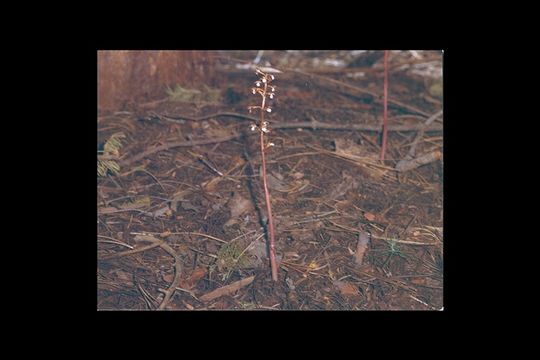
[(181, 223)]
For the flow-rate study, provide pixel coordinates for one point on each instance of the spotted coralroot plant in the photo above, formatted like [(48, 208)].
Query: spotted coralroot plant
[(264, 88)]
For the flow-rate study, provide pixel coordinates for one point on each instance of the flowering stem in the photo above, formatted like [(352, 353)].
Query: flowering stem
[(273, 262), (385, 111), (263, 129)]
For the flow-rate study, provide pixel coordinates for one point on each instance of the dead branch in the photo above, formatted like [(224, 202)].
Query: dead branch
[(174, 144), (308, 124), (177, 272), (129, 252), (314, 125), (157, 243), (177, 265), (409, 161)]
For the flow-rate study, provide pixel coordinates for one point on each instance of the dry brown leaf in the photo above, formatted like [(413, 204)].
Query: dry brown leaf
[(349, 182), (370, 217), (188, 306), (346, 288), (419, 281), (275, 183), (192, 280), (238, 206), (168, 277)]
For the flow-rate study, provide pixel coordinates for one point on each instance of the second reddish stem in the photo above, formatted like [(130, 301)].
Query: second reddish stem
[(385, 113)]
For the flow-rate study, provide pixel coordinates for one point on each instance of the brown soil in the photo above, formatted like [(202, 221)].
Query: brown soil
[(328, 188)]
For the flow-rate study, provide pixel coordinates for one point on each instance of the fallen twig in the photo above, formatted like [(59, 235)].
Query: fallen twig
[(229, 289), (309, 125), (306, 124), (113, 241), (402, 241), (157, 243), (184, 233), (129, 252), (406, 165), (360, 90), (409, 162), (174, 144)]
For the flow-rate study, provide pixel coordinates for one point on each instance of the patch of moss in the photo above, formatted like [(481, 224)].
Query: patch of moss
[(231, 257)]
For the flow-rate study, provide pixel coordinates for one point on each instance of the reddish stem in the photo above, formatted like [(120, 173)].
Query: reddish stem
[(385, 114), (273, 262)]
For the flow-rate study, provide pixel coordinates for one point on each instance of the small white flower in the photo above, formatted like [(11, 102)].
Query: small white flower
[(271, 144), (264, 80), (253, 127), (272, 77), (253, 91), (268, 110), (258, 83), (265, 130), (271, 95)]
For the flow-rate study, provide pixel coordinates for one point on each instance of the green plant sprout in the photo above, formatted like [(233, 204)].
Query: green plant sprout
[(110, 149), (231, 257), (181, 94), (392, 249)]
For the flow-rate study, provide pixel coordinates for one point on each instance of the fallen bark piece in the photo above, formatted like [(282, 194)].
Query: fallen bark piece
[(346, 288), (363, 240), (226, 290), (406, 165)]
